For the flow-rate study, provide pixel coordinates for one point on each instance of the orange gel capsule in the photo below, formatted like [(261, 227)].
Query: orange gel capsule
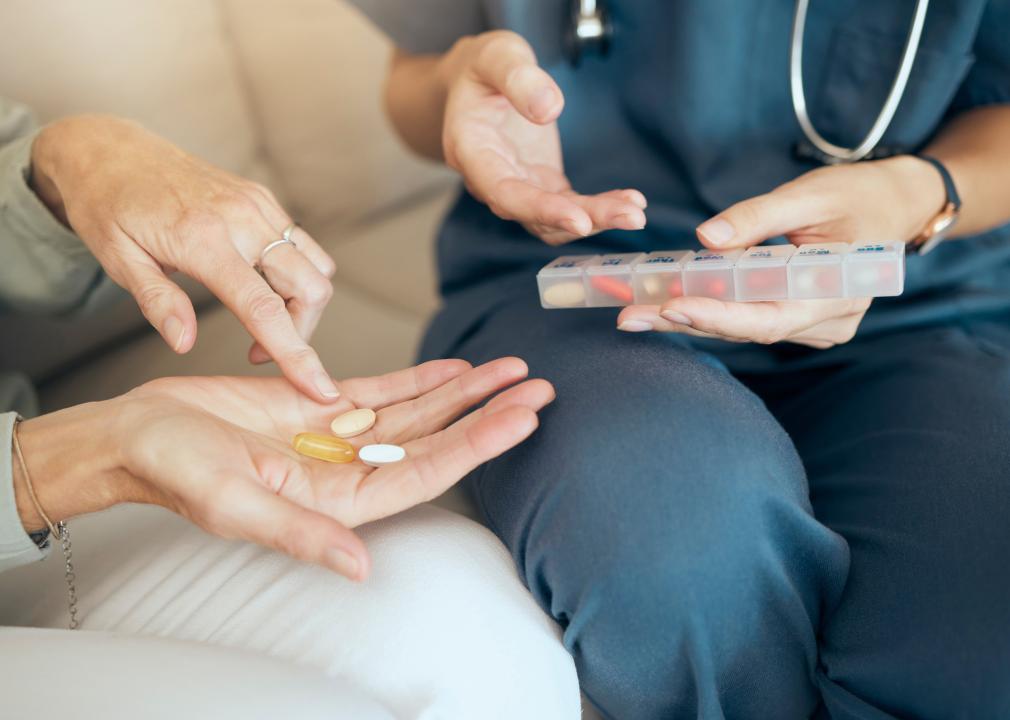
[(614, 288), (324, 447)]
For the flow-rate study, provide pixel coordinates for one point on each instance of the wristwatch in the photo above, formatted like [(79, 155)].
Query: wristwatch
[(938, 228)]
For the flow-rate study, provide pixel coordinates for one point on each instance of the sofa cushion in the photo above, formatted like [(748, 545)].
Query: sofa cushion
[(315, 71), (168, 65)]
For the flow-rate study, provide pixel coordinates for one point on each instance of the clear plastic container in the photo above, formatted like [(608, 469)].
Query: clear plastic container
[(608, 280), (561, 283), (816, 271), (659, 276), (875, 269), (709, 273), (761, 273)]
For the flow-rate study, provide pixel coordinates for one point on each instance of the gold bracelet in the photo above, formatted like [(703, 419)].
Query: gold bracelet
[(28, 480), (59, 530)]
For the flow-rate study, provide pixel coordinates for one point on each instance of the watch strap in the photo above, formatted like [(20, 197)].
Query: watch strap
[(948, 181)]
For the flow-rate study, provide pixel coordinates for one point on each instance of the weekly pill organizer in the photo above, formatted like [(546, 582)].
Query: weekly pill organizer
[(762, 272)]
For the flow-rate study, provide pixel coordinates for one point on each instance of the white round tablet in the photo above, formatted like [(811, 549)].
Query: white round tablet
[(379, 455)]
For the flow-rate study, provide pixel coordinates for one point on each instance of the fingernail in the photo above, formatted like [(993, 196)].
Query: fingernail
[(630, 222), (326, 387), (573, 227), (676, 317), (635, 326), (718, 232), (174, 332), (637, 199), (543, 102), (343, 562)]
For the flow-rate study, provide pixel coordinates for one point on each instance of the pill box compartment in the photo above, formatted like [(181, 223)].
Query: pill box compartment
[(710, 274), (816, 271), (659, 276), (608, 280), (761, 273), (560, 282), (875, 269)]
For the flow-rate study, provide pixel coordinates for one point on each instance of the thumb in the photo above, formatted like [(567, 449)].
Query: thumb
[(163, 303), (507, 64), (757, 219)]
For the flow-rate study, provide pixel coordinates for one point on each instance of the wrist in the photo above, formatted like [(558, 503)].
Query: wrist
[(918, 190), (74, 463), (42, 181)]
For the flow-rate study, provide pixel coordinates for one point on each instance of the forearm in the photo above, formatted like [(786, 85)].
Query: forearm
[(73, 461), (415, 101), (975, 147)]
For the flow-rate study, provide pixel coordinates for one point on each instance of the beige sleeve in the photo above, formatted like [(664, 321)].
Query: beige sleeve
[(44, 266)]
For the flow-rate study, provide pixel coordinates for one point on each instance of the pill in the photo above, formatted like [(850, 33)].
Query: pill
[(614, 288), (675, 288), (652, 286), (565, 294), (324, 447), (353, 423), (379, 455)]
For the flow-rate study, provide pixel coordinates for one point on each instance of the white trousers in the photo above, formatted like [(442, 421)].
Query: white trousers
[(182, 623)]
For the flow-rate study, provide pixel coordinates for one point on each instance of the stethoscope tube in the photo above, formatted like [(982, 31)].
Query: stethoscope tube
[(836, 153), (590, 30)]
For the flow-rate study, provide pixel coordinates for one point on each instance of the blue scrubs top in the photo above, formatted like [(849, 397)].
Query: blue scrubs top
[(692, 106)]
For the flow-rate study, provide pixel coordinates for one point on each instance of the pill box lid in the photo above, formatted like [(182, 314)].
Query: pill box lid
[(612, 264), (761, 255), (818, 253), (707, 259), (567, 265), (662, 261), (870, 251)]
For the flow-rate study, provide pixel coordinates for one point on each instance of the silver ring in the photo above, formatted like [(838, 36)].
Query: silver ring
[(285, 240)]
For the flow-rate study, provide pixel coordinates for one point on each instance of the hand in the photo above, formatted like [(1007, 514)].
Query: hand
[(145, 209), (887, 199), (500, 132), (218, 452)]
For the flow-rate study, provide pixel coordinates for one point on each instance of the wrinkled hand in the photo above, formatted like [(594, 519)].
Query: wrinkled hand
[(145, 209), (500, 132), (889, 199), (218, 450)]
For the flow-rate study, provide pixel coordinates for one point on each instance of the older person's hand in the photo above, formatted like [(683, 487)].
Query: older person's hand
[(888, 199), (145, 209), (219, 452)]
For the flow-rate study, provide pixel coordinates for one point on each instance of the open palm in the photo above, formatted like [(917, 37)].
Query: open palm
[(500, 132), (218, 450)]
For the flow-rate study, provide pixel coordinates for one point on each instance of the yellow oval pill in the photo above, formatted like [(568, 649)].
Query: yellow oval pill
[(324, 447), (353, 423)]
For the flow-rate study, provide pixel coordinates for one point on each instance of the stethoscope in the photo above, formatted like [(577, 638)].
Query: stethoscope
[(590, 31)]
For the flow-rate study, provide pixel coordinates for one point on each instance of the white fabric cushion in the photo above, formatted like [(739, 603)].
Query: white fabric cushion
[(443, 628), (114, 676)]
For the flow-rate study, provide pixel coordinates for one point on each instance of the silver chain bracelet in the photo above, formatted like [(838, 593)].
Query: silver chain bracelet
[(68, 555)]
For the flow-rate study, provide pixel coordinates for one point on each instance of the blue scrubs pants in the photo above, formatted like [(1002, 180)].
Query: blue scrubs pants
[(764, 532)]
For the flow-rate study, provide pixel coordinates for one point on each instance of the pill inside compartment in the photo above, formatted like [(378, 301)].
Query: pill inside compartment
[(875, 269), (709, 273), (608, 280), (659, 276), (761, 273), (816, 271), (561, 282)]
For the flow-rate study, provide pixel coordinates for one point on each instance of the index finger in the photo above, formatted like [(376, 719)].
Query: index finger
[(265, 315), (763, 322)]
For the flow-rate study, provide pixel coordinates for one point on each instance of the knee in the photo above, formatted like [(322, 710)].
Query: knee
[(461, 625)]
